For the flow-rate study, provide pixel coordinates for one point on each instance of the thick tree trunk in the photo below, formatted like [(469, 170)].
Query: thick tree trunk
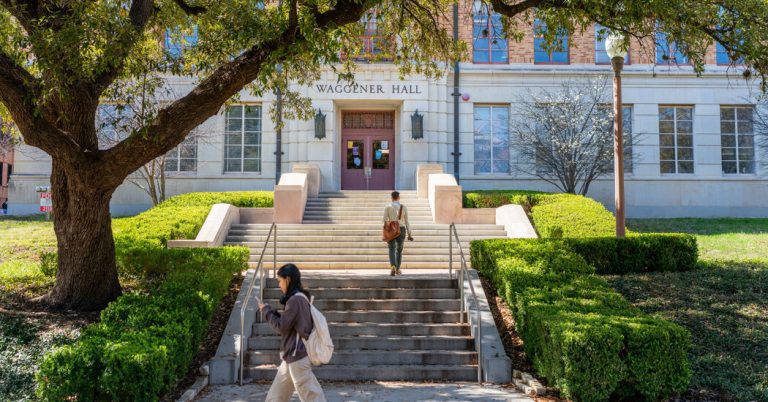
[(87, 273)]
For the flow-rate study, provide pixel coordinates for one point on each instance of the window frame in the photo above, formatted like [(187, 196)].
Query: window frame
[(492, 160), (479, 10), (676, 147), (537, 23), (242, 144), (736, 134)]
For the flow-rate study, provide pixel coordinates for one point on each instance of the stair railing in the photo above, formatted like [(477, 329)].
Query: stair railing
[(261, 275), (464, 275)]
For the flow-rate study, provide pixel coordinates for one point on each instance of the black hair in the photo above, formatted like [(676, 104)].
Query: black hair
[(291, 271), (395, 195)]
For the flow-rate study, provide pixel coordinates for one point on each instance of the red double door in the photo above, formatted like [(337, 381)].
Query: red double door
[(368, 159)]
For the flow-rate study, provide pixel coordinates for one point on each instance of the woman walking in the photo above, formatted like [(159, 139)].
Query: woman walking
[(396, 211), (295, 371)]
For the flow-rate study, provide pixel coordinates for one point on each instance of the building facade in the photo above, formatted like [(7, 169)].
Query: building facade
[(695, 153)]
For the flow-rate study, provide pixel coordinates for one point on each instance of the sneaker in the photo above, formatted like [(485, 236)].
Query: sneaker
[(393, 271)]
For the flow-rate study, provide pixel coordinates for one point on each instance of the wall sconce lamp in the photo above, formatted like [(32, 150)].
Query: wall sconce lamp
[(417, 125), (319, 125)]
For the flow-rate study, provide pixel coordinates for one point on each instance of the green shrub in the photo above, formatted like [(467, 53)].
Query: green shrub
[(580, 334), (568, 215), (146, 340), (49, 263), (637, 253), (497, 198)]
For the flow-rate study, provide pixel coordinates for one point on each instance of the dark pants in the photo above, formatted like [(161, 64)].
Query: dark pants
[(396, 248)]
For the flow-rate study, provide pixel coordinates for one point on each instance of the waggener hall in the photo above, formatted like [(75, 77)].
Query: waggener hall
[(696, 153)]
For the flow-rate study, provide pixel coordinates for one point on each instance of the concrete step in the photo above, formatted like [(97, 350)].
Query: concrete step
[(257, 246), (379, 358), (380, 329), (383, 304), (376, 373), (336, 240), (398, 282), (378, 251), (372, 293), (415, 317), (368, 225), (393, 343), (331, 231), (302, 258), (357, 265)]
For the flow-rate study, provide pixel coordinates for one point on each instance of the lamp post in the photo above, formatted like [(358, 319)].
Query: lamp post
[(617, 50)]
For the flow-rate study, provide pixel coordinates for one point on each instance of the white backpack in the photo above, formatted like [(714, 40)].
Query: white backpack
[(319, 344)]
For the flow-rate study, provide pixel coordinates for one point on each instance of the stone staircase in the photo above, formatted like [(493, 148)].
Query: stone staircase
[(383, 328), (343, 231)]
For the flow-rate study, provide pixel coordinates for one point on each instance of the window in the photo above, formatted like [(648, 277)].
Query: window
[(177, 41), (737, 139), (488, 42), (668, 52), (183, 158), (601, 57), (491, 139), (676, 139), (242, 139), (374, 46), (723, 58), (114, 123), (558, 54)]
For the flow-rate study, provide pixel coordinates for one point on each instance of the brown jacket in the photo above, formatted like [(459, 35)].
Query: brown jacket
[(295, 318)]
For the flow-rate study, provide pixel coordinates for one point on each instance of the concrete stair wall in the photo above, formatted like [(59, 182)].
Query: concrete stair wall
[(383, 329)]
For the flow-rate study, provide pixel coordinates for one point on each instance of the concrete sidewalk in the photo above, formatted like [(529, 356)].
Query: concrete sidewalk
[(375, 392)]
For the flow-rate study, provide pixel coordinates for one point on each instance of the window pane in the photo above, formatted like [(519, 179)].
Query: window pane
[(666, 113), (234, 138), (727, 113), (500, 166), (685, 167), (252, 152), (252, 138), (728, 154), (188, 151), (727, 127), (685, 154), (746, 167), (684, 140), (745, 127), (251, 165), (187, 165), (684, 113), (171, 165), (481, 56), (746, 140), (746, 154), (482, 166), (234, 125), (729, 167), (233, 165), (234, 152), (355, 154), (684, 127), (667, 154), (667, 127), (667, 167), (667, 140), (235, 112), (252, 125), (252, 111), (727, 140), (744, 113)]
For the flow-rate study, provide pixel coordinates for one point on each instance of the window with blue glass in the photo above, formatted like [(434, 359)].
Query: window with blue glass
[(601, 57), (723, 58), (556, 54), (488, 42), (491, 139), (667, 52), (177, 41)]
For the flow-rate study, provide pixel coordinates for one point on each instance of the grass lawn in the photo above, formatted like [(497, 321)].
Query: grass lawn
[(723, 304), (22, 241)]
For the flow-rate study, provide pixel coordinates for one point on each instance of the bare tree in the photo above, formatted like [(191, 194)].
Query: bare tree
[(565, 137)]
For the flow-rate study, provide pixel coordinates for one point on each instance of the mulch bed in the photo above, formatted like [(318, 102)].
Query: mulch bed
[(207, 350)]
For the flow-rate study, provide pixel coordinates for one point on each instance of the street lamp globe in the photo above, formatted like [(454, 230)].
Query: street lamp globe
[(614, 45)]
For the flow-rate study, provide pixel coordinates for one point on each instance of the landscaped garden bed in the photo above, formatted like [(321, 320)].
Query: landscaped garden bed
[(145, 340), (710, 298)]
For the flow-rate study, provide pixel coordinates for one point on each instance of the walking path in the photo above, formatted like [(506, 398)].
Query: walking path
[(375, 392)]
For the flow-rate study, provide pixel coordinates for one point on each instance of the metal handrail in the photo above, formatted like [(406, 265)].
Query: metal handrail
[(261, 274), (463, 275)]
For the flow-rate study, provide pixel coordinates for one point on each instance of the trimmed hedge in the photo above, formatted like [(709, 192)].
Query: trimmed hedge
[(581, 335), (637, 252), (146, 340), (497, 198)]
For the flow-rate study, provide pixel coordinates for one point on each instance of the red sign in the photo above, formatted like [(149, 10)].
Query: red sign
[(46, 203)]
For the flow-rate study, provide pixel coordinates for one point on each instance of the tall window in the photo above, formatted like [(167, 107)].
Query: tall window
[(558, 54), (373, 45), (667, 52), (177, 41), (242, 139), (183, 158), (737, 139), (488, 42), (676, 139), (601, 57), (491, 139)]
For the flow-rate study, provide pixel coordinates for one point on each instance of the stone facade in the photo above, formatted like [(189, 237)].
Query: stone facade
[(706, 192)]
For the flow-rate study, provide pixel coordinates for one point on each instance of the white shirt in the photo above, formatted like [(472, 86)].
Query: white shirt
[(392, 210)]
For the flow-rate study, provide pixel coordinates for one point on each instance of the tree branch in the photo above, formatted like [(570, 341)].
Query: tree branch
[(189, 9)]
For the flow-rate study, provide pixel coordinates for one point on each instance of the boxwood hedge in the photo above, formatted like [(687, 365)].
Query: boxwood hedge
[(581, 335), (146, 339)]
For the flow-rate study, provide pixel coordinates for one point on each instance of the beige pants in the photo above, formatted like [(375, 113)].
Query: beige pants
[(295, 376)]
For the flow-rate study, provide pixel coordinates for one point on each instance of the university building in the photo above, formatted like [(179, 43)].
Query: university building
[(695, 152)]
